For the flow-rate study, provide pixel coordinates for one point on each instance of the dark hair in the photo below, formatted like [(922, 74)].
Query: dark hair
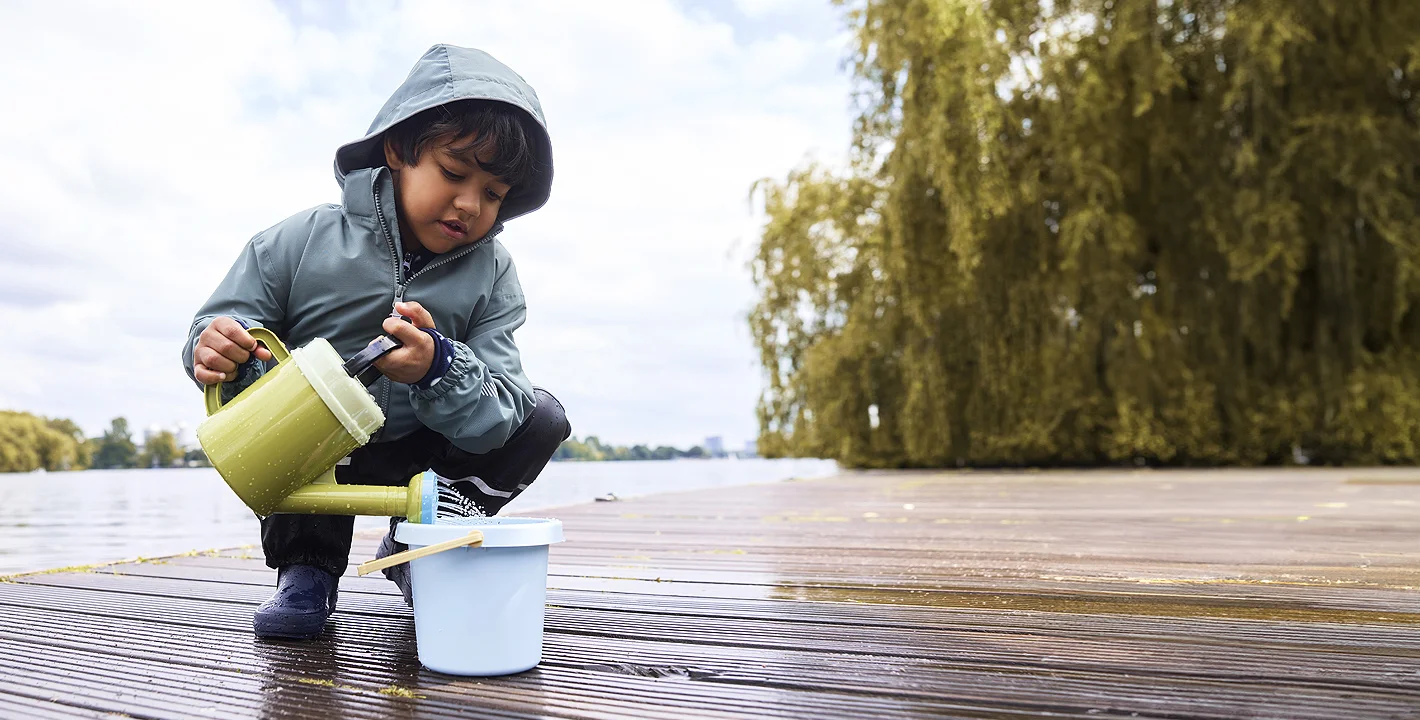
[(502, 139)]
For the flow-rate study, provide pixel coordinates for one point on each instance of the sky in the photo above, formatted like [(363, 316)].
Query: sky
[(145, 143)]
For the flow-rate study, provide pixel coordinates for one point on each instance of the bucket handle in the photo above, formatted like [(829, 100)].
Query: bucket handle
[(212, 394), (473, 538)]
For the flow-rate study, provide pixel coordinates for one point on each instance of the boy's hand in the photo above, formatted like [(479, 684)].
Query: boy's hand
[(410, 363), (223, 346)]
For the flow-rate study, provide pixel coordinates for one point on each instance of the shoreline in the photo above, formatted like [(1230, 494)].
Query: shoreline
[(169, 512)]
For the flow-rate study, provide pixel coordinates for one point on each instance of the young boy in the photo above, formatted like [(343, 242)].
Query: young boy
[(457, 151)]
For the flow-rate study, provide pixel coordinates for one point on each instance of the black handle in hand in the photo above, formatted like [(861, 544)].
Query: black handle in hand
[(362, 365)]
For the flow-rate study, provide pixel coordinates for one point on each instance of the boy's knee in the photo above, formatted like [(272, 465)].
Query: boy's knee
[(549, 418)]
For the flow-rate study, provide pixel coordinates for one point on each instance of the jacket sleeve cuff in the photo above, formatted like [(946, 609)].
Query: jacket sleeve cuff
[(443, 361), (463, 364)]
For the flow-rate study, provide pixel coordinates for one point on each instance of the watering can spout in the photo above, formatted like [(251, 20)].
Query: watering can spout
[(321, 498)]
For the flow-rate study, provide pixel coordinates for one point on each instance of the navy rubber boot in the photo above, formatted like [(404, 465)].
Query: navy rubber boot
[(304, 599), (398, 574)]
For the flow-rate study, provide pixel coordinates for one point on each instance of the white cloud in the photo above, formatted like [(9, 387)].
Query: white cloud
[(760, 8), (146, 143)]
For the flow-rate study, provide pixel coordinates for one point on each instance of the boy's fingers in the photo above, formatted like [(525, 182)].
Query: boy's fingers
[(225, 347), (416, 313), (402, 331), (219, 337), (213, 360), (207, 376), (233, 330), (233, 341)]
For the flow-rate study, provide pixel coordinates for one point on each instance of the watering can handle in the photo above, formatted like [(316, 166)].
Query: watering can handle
[(212, 394)]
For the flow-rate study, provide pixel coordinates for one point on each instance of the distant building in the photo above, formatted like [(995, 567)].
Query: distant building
[(715, 446), (751, 450), (181, 432), (185, 435)]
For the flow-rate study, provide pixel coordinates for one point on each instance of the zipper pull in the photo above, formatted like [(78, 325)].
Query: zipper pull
[(394, 307)]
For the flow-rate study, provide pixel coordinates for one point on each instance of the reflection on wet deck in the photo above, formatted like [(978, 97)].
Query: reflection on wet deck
[(1289, 594)]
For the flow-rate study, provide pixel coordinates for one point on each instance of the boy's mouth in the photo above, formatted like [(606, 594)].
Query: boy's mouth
[(454, 229)]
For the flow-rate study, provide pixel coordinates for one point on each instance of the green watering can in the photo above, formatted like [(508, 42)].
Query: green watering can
[(277, 442)]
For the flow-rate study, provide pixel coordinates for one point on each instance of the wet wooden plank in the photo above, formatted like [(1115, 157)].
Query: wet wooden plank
[(1071, 594)]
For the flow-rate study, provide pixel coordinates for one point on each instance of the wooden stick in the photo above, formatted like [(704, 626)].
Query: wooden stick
[(474, 537)]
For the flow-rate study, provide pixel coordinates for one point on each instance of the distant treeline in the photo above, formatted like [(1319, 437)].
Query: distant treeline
[(592, 449), (31, 442)]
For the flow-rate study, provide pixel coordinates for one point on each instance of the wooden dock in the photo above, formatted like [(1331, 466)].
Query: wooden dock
[(1278, 594)]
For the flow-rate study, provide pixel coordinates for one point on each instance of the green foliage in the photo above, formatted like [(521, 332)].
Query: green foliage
[(1105, 231), (160, 451), (592, 449), (29, 442), (197, 457), (83, 451), (115, 449)]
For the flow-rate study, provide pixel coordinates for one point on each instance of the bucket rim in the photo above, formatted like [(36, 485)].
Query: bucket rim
[(497, 531)]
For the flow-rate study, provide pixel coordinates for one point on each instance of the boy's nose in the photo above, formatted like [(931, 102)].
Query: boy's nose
[(468, 204)]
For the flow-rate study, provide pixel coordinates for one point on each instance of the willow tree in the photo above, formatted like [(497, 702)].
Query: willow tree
[(1104, 231), (30, 442)]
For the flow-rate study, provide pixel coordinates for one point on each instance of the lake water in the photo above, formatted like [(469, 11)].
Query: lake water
[(50, 520)]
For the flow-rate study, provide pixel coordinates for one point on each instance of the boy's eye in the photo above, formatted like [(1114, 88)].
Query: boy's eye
[(454, 177), (494, 196)]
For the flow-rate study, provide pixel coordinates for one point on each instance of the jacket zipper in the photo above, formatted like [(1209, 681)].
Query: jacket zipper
[(401, 284), (399, 289)]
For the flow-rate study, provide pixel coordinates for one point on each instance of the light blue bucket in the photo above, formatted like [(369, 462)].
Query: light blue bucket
[(479, 610)]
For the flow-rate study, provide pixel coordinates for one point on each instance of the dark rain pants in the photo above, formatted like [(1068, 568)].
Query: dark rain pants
[(496, 477)]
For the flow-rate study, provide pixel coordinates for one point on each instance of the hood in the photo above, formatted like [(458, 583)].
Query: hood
[(443, 75)]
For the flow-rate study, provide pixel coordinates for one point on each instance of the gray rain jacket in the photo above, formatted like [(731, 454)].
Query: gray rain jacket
[(333, 271)]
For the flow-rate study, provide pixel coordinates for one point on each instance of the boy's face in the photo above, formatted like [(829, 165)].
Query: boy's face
[(446, 199)]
